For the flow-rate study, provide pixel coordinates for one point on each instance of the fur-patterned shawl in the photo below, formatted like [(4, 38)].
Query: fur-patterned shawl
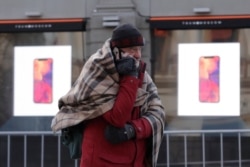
[(94, 93)]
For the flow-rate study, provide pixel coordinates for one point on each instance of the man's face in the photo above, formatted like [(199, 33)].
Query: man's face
[(134, 52)]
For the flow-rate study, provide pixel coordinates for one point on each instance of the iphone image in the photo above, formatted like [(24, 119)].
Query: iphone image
[(209, 78), (42, 91)]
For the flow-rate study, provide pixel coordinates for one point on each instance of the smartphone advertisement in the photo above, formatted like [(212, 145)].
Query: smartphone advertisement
[(42, 74), (209, 79)]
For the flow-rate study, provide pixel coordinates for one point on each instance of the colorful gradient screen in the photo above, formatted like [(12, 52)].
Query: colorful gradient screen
[(43, 80), (209, 90)]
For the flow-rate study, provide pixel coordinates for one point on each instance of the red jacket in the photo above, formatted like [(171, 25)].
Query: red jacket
[(98, 152)]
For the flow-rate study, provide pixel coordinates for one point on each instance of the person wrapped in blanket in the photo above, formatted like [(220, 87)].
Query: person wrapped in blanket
[(119, 104)]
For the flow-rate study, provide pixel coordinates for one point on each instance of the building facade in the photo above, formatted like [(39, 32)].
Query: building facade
[(174, 31)]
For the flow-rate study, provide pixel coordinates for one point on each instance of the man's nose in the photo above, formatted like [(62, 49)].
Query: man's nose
[(137, 53)]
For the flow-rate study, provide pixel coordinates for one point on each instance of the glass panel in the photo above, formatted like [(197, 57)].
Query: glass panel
[(166, 76), (8, 41)]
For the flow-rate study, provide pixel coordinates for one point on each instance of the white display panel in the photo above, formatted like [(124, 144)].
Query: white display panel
[(228, 103), (24, 84)]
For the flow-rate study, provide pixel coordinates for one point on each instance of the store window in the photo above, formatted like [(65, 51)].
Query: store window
[(173, 72), (61, 42)]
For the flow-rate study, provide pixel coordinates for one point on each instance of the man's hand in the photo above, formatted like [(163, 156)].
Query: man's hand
[(117, 135), (127, 66)]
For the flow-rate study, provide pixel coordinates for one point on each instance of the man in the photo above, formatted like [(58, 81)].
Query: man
[(119, 104)]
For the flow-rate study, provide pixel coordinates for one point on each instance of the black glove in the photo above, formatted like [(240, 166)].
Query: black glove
[(117, 135), (127, 66)]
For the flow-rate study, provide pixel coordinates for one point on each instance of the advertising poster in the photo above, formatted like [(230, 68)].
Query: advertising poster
[(209, 79), (42, 74)]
